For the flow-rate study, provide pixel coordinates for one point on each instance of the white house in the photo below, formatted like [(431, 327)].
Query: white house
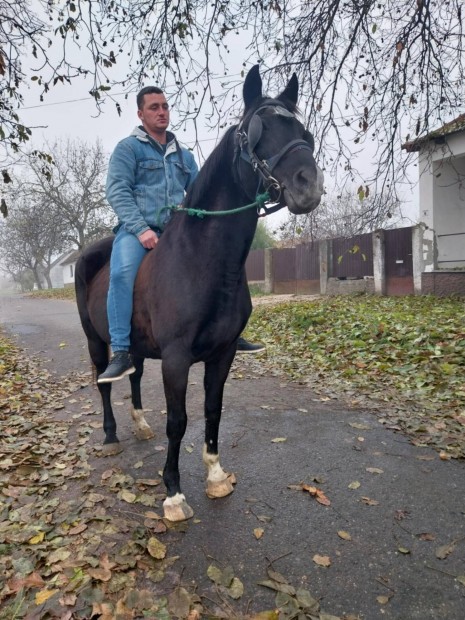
[(62, 269), (441, 160)]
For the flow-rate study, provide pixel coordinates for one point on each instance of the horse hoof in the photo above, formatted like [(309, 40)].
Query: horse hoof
[(143, 430), (220, 488), (177, 509), (110, 449), (144, 433)]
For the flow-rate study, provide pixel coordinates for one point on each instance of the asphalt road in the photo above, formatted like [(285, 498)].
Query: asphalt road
[(405, 493)]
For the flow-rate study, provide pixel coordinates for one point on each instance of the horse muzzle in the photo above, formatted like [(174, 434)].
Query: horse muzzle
[(304, 194)]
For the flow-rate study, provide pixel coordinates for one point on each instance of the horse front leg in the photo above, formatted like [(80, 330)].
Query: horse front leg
[(219, 483), (175, 371), (142, 429)]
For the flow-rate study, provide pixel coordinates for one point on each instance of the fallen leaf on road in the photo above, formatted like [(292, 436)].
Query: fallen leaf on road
[(236, 589), (127, 496), (44, 595), (382, 600), (179, 603), (279, 440), (426, 536), (344, 535), (370, 502), (278, 587), (354, 485), (317, 494), (35, 540), (322, 560), (258, 532), (272, 574), (445, 550), (156, 548), (375, 470), (100, 574)]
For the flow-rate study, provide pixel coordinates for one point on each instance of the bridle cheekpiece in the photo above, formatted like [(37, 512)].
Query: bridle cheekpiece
[(247, 141)]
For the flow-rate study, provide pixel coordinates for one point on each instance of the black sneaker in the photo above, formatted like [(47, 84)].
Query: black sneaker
[(244, 346), (120, 365)]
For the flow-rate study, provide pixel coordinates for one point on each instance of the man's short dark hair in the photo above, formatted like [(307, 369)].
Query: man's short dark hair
[(147, 90)]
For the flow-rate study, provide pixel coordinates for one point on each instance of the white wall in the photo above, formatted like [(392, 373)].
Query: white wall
[(449, 212), (442, 203), (68, 274)]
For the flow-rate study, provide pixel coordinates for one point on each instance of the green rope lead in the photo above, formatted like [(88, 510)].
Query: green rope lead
[(260, 201)]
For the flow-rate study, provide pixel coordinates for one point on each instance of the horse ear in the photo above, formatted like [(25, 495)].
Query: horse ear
[(252, 86), (291, 92)]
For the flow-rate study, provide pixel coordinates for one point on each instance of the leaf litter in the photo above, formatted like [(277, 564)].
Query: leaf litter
[(67, 553), (72, 555), (295, 602), (72, 583), (401, 356)]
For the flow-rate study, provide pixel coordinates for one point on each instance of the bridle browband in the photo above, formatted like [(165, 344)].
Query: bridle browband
[(246, 142)]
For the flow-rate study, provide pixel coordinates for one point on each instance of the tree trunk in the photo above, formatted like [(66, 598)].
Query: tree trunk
[(37, 279)]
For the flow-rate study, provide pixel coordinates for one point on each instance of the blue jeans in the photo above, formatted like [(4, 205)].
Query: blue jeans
[(126, 257)]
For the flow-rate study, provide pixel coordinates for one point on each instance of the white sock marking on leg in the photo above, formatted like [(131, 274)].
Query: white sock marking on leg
[(215, 472)]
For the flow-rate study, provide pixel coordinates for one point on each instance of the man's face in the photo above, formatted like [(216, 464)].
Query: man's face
[(155, 114)]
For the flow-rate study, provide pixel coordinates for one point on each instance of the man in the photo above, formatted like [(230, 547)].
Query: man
[(148, 171)]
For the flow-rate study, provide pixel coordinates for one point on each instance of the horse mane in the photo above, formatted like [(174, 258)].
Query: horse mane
[(213, 166)]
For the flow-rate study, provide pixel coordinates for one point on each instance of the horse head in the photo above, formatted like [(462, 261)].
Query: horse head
[(272, 143)]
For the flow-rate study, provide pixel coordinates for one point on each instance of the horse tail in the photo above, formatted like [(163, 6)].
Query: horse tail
[(91, 261)]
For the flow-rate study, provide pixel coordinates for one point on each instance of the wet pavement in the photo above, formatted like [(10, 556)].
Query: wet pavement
[(398, 503)]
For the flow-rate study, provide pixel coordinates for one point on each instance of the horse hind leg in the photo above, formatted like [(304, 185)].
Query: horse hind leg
[(219, 483), (111, 444), (99, 354), (142, 428)]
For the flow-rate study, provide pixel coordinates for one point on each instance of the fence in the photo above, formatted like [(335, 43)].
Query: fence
[(374, 262)]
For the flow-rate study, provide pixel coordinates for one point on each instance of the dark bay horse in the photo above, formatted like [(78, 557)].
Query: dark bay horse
[(191, 299)]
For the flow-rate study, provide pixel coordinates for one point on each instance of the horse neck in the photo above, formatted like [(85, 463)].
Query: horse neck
[(232, 233)]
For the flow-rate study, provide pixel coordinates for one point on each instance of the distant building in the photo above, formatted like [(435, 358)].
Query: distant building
[(62, 269), (441, 160)]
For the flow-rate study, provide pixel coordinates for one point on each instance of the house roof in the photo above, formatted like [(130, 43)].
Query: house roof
[(458, 124), (66, 258), (69, 258)]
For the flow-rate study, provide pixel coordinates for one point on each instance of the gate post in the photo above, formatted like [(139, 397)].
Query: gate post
[(324, 265), (379, 262), (268, 258), (417, 257)]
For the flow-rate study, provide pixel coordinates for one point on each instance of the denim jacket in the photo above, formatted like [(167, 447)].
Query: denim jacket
[(142, 180)]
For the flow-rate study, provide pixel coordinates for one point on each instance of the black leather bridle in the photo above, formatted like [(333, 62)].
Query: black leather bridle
[(247, 141)]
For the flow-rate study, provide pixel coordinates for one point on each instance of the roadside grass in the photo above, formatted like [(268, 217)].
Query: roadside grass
[(402, 356), (68, 293), (54, 293)]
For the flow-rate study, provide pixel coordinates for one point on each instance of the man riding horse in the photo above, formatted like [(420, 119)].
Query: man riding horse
[(148, 171)]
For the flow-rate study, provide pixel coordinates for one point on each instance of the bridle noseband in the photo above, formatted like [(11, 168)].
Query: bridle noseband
[(246, 143)]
